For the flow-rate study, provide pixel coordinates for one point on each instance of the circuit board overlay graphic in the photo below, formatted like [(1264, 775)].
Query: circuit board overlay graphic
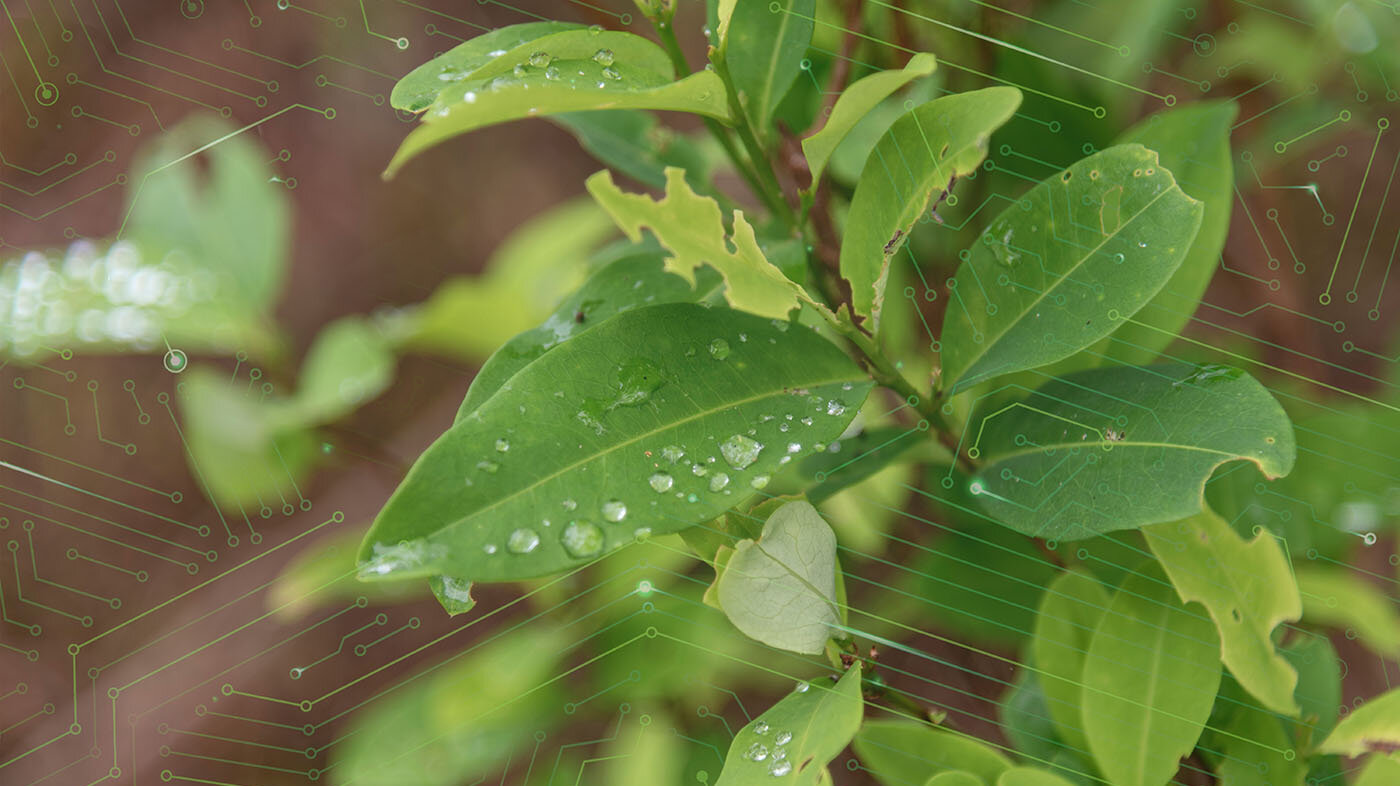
[(150, 635)]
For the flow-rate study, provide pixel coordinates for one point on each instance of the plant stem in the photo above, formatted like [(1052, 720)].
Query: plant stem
[(907, 705)]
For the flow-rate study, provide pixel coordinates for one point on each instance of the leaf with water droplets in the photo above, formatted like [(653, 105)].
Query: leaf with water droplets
[(559, 73), (918, 157), (691, 227), (792, 741), (1065, 265), (421, 86), (603, 410), (856, 101), (781, 588), (900, 752), (1120, 448), (1248, 588), (455, 595)]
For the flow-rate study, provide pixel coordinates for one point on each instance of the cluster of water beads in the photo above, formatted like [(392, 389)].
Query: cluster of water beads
[(758, 752)]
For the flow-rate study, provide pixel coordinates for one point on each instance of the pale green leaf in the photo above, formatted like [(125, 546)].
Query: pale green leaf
[(1380, 770), (955, 778), (1339, 598), (791, 742), (651, 754), (1030, 776), (659, 418), (918, 157), (1119, 448), (781, 588), (764, 42), (1061, 268), (855, 102), (420, 87), (349, 363), (1194, 143), (1248, 589), (902, 752), (1149, 682), (1069, 613), (691, 227), (1374, 726)]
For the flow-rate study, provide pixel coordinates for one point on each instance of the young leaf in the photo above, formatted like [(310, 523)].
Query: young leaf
[(1030, 776), (691, 227), (955, 778), (1065, 265), (791, 743), (1194, 143), (1150, 679), (1069, 613), (349, 363), (764, 43), (1319, 690), (421, 86), (1257, 752), (855, 102), (1119, 448), (918, 157), (635, 144), (657, 419), (570, 71), (901, 752), (781, 588), (1340, 598), (629, 283), (1247, 587), (1372, 727), (1380, 770), (1025, 719)]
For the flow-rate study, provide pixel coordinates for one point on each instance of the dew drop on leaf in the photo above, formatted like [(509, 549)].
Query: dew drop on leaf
[(582, 539), (660, 482), (489, 548), (603, 57), (672, 453), (779, 767), (488, 466), (835, 408), (698, 470), (522, 541), (502, 445), (540, 59), (759, 481), (719, 349), (551, 73), (756, 752), (520, 71), (614, 510), (718, 481), (760, 728), (782, 737), (611, 73), (569, 504), (740, 451)]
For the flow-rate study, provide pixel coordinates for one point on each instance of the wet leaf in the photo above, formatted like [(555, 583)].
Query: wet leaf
[(1150, 678), (781, 588), (323, 574), (657, 419), (855, 102), (901, 752), (421, 86), (913, 162), (1061, 268), (1248, 589), (1119, 448), (1069, 612), (691, 227), (792, 741), (455, 595)]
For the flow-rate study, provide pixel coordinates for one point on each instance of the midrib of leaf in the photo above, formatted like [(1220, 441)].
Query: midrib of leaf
[(987, 345), (627, 443), (803, 581), (1116, 446), (773, 61)]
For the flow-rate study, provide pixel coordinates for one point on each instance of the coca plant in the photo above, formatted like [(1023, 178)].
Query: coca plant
[(723, 368)]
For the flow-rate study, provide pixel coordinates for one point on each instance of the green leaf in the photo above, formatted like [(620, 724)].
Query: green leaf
[(627, 284), (1025, 719), (764, 43), (1030, 776), (824, 475), (1061, 268), (781, 588), (855, 102), (1248, 589), (1119, 448), (916, 159), (1194, 143), (635, 144), (652, 754), (1150, 679), (955, 778), (1372, 727), (794, 739), (1380, 770), (1339, 598), (349, 363), (455, 595), (520, 84), (1069, 613), (1257, 752), (458, 721), (323, 574), (1319, 690), (900, 752), (691, 227), (420, 87), (657, 419)]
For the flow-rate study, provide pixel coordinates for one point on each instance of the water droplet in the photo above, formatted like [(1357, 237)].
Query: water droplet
[(452, 75), (522, 541), (611, 73), (661, 482), (551, 73), (582, 539), (740, 451), (835, 408), (469, 97), (489, 548), (595, 29), (569, 504), (718, 481), (698, 470), (603, 57), (719, 349), (540, 59), (488, 466), (502, 445), (672, 453), (641, 533), (402, 556), (806, 421), (614, 510), (794, 447), (760, 728), (782, 737), (756, 752), (1142, 244), (759, 481), (779, 767), (801, 687), (636, 381)]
